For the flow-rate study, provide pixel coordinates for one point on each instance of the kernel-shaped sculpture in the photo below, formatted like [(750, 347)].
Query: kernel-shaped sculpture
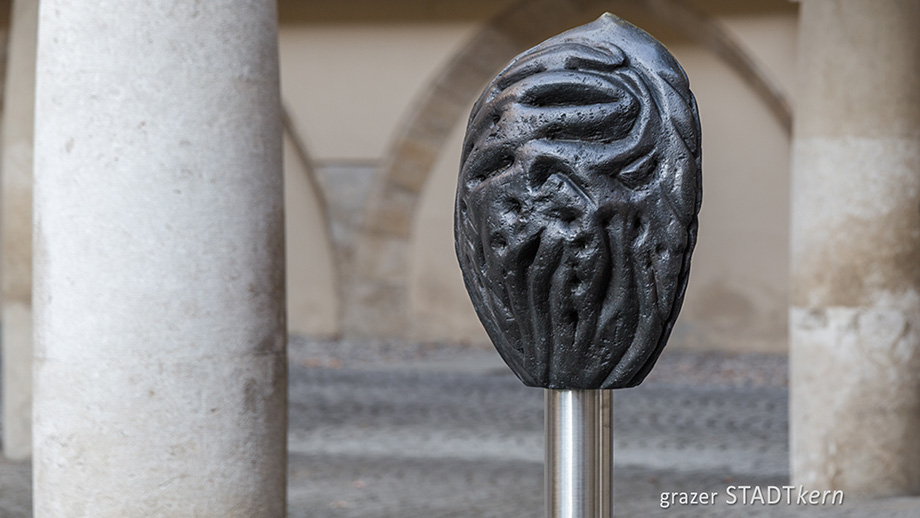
[(577, 202)]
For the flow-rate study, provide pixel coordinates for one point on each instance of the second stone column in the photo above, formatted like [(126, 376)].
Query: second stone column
[(855, 316)]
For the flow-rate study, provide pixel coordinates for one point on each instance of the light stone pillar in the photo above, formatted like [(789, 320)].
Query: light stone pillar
[(160, 374), (855, 316), (16, 221)]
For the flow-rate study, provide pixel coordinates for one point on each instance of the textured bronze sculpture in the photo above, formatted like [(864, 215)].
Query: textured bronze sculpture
[(577, 204)]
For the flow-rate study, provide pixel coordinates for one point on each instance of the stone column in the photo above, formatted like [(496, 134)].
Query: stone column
[(855, 315), (160, 373), (16, 221)]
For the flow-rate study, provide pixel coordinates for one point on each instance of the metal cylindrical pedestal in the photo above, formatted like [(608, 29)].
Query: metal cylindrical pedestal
[(579, 454)]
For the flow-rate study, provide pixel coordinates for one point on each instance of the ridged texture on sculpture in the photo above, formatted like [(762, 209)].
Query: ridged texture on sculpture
[(577, 204)]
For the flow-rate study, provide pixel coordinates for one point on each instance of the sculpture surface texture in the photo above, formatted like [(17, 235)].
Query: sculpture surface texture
[(577, 202)]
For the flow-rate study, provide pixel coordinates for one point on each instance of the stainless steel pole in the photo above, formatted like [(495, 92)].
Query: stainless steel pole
[(605, 453), (578, 454)]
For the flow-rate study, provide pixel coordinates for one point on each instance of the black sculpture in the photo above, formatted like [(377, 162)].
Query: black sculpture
[(577, 204)]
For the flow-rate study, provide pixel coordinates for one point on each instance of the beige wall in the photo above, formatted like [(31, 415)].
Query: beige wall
[(347, 87), (313, 303), (438, 301), (737, 294), (737, 299)]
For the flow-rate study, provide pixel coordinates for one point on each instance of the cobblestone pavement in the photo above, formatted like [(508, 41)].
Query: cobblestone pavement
[(392, 430)]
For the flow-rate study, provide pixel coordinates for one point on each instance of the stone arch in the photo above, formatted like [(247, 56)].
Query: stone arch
[(376, 298)]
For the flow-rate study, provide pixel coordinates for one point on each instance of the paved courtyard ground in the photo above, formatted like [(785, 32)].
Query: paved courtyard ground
[(383, 430)]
